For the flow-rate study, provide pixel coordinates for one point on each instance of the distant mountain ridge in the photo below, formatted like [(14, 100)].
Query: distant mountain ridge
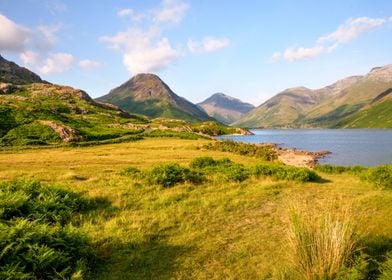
[(224, 108), (148, 95), (336, 105), (10, 72)]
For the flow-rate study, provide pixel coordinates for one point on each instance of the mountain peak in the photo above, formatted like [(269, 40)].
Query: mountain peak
[(148, 95), (12, 73), (225, 108)]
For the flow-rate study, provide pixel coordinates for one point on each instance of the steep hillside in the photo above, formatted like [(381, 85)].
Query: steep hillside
[(282, 110), (330, 106), (224, 108), (378, 114), (147, 94), (46, 114), (12, 73)]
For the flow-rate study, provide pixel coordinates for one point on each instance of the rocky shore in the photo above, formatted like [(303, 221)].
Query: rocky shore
[(299, 158)]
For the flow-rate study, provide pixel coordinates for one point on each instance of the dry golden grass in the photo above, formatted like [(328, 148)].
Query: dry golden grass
[(216, 230)]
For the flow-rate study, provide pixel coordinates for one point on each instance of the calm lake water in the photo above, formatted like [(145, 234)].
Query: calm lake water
[(369, 147)]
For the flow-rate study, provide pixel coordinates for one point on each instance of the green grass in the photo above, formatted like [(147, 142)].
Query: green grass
[(37, 237), (378, 115), (219, 228)]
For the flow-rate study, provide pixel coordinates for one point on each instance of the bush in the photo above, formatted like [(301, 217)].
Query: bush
[(130, 171), (337, 169), (33, 201), (35, 250), (264, 152), (170, 174), (282, 172), (381, 176), (36, 239), (173, 133), (235, 172)]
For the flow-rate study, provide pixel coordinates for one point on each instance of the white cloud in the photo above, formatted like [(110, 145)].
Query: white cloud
[(124, 12), (208, 44), (293, 54), (88, 64), (13, 37), (350, 30), (29, 58), (56, 63), (171, 11), (143, 51)]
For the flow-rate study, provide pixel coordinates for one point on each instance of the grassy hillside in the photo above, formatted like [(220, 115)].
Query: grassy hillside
[(47, 114), (218, 227), (378, 115), (331, 106)]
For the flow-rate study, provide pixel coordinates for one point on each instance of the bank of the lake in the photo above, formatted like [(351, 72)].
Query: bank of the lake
[(368, 147)]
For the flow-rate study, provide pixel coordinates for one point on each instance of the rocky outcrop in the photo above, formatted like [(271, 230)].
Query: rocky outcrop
[(66, 133), (6, 88)]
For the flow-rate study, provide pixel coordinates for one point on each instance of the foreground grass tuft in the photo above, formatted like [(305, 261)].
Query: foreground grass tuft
[(321, 244)]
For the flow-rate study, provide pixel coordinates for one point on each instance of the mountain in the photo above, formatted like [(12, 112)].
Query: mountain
[(331, 106), (224, 108), (148, 95), (12, 73), (33, 111)]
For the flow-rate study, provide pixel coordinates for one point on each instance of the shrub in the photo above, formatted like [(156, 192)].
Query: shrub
[(33, 201), (381, 176), (263, 152), (321, 243), (337, 169), (170, 174), (130, 171), (36, 241), (235, 172), (173, 133), (282, 172), (202, 162), (35, 250)]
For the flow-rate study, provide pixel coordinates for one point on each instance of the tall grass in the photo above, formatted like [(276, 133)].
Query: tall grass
[(321, 242)]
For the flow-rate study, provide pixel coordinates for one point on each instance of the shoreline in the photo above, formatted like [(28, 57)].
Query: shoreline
[(296, 157)]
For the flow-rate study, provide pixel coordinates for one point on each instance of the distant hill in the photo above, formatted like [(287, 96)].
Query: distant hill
[(148, 95), (336, 105), (12, 73), (224, 108)]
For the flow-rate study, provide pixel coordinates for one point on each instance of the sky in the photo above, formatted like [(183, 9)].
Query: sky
[(249, 49)]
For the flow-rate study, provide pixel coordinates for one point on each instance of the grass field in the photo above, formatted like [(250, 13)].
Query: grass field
[(214, 230)]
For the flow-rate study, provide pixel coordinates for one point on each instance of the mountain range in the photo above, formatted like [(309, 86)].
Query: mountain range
[(36, 112), (353, 102), (224, 108)]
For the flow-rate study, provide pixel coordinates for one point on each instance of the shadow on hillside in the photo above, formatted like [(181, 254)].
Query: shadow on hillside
[(150, 259)]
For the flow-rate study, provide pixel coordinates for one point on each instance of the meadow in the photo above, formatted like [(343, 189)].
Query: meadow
[(208, 224)]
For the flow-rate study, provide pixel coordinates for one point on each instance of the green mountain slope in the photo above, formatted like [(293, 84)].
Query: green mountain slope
[(224, 108), (283, 110), (45, 113), (147, 94), (376, 115), (330, 106)]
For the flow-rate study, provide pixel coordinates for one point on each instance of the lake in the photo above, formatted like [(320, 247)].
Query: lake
[(368, 147)]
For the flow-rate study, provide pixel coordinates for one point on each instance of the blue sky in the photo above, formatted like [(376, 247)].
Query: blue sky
[(247, 49)]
